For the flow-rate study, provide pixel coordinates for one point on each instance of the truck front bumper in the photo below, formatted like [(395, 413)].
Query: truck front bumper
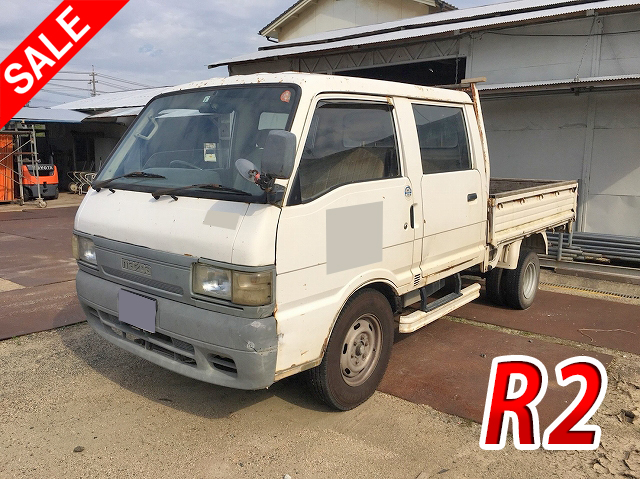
[(210, 346)]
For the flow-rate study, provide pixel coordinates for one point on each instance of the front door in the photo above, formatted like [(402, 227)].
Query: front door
[(346, 223)]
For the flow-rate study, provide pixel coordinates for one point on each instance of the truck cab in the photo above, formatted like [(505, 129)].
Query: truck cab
[(249, 228)]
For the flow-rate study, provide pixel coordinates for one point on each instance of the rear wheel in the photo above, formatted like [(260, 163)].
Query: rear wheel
[(358, 352), (521, 284), (493, 286)]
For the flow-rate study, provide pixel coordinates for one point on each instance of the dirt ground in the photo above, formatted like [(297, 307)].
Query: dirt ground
[(67, 390)]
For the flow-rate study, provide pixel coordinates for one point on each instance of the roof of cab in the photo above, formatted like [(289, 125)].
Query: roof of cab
[(313, 83)]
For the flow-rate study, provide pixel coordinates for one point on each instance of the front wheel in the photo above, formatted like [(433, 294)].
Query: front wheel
[(521, 284), (358, 352)]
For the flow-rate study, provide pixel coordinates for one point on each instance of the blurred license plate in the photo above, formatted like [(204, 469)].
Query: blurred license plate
[(137, 311)]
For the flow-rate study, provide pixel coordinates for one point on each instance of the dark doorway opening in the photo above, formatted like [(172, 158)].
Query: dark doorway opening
[(431, 73)]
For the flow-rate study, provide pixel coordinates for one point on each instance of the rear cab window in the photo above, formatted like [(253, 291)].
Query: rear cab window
[(442, 133)]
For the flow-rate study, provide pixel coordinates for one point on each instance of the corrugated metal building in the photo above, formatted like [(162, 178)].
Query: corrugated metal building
[(562, 97)]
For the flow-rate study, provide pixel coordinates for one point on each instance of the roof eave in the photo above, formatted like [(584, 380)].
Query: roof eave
[(302, 4), (290, 12)]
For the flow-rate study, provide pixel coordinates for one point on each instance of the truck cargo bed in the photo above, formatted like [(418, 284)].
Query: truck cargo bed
[(520, 207)]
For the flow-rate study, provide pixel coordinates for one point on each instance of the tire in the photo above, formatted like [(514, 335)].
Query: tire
[(357, 354), (494, 288), (26, 192), (521, 284)]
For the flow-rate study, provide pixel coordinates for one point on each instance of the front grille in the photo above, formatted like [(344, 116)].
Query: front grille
[(136, 278), (165, 345), (168, 346)]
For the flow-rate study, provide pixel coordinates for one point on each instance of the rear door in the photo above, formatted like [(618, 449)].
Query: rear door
[(453, 199)]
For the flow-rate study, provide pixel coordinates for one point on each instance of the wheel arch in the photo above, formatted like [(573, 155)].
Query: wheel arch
[(537, 242), (385, 287)]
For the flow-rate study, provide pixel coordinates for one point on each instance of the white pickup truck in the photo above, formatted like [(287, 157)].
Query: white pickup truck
[(249, 228)]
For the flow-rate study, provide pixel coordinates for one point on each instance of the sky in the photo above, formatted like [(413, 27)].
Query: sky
[(152, 42)]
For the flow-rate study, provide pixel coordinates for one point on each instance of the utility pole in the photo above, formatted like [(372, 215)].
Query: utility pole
[(93, 82)]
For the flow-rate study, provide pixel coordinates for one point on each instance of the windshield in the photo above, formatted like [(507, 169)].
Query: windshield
[(195, 137)]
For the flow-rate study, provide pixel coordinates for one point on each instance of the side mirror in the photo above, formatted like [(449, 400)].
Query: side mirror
[(279, 154)]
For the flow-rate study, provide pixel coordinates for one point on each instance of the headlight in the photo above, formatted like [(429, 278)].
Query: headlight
[(249, 289), (252, 289), (211, 281), (83, 249)]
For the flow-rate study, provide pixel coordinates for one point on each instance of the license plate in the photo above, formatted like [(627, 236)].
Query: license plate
[(137, 310)]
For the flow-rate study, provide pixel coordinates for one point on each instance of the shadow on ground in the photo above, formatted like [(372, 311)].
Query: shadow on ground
[(171, 389)]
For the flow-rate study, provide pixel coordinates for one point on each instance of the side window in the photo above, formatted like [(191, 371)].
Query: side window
[(347, 143), (443, 138)]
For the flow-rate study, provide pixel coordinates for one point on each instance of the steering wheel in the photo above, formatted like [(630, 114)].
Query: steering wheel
[(183, 163)]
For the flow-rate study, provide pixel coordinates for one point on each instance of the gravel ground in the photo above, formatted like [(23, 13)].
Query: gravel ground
[(67, 390)]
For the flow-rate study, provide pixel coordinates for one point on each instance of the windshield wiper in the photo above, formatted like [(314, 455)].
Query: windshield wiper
[(98, 185), (208, 186)]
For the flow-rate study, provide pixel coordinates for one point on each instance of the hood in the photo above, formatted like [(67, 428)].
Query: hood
[(225, 231)]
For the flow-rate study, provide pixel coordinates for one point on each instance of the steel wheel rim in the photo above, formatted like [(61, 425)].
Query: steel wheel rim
[(529, 286), (361, 349)]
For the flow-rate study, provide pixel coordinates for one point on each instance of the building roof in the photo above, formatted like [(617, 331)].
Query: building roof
[(109, 101), (300, 5), (436, 24), (117, 113), (48, 115), (591, 82)]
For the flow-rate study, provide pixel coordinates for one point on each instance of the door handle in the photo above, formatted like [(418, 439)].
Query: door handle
[(472, 196), (411, 217)]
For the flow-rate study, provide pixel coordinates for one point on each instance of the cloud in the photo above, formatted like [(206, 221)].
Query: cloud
[(150, 50)]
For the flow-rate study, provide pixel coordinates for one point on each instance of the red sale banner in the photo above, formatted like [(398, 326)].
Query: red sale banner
[(49, 47)]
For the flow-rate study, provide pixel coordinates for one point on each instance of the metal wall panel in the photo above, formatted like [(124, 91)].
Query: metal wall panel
[(615, 166), (546, 137), (521, 56), (619, 54), (616, 215), (613, 205), (536, 137), (619, 109), (537, 154)]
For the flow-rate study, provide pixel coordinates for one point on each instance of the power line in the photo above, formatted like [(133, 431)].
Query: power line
[(67, 86), (61, 93), (117, 86), (121, 84), (124, 81)]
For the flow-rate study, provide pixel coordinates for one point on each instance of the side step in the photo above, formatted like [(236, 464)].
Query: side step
[(414, 321)]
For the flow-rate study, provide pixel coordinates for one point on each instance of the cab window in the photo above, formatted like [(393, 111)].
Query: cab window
[(443, 138), (347, 143)]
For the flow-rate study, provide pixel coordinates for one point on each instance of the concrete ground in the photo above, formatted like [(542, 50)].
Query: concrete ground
[(66, 389)]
